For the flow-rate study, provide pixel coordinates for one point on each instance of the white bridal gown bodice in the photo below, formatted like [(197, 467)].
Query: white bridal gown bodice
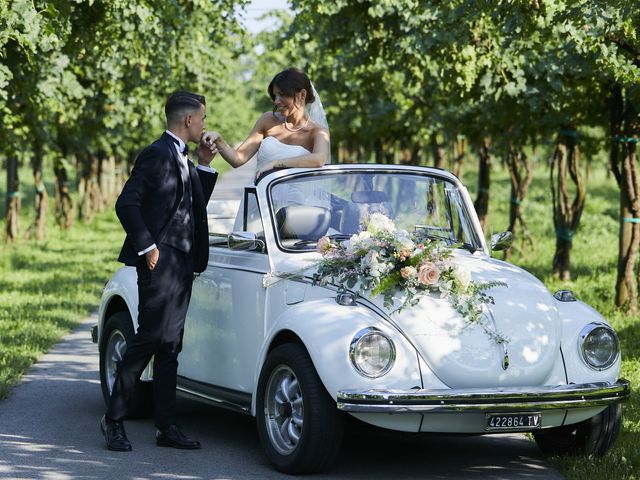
[(271, 149)]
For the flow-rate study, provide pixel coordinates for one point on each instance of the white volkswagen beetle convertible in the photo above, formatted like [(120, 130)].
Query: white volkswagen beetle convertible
[(295, 323)]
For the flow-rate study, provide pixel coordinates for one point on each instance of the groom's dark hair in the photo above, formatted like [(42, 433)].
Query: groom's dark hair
[(180, 103)]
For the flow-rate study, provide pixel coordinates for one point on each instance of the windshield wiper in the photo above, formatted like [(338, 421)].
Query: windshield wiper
[(339, 236)]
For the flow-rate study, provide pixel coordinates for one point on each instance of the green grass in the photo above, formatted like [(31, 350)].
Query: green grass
[(47, 287)]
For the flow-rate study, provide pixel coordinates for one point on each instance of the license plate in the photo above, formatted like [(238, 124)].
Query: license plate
[(513, 421)]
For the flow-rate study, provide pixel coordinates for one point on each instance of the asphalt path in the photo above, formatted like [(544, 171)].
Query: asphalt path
[(49, 430)]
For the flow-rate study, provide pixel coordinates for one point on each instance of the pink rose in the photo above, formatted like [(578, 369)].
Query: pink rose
[(404, 254), (324, 245), (428, 274), (407, 272)]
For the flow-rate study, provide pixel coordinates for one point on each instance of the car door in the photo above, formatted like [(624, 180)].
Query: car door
[(225, 324)]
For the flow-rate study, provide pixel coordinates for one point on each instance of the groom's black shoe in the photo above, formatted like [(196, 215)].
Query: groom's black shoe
[(173, 437), (114, 435)]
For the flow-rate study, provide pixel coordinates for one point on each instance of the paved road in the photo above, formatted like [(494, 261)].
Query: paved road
[(49, 430)]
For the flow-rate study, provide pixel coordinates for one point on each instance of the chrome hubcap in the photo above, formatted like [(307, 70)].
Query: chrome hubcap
[(284, 408), (116, 346)]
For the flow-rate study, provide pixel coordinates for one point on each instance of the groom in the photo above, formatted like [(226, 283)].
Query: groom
[(162, 208)]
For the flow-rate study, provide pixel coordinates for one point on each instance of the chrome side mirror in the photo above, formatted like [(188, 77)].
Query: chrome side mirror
[(245, 241), (501, 241)]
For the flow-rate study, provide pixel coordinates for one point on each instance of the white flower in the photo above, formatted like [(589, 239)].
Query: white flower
[(462, 275), (379, 222), (370, 260), (404, 242), (360, 241)]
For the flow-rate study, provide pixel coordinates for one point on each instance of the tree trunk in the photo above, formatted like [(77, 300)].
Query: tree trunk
[(12, 225), (484, 182), (566, 213), (459, 154), (85, 186), (624, 122), (120, 173), (378, 151), (97, 168), (521, 176), (629, 227), (63, 202), (41, 198), (439, 157)]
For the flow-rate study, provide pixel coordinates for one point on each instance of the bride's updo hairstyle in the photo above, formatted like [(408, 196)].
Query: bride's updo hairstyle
[(290, 82)]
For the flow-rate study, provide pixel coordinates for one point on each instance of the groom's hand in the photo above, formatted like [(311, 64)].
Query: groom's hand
[(152, 258), (206, 150)]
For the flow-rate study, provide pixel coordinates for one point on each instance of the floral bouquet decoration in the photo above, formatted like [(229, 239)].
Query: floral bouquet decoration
[(403, 267)]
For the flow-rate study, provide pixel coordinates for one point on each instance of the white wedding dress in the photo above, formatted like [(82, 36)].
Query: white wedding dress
[(271, 150)]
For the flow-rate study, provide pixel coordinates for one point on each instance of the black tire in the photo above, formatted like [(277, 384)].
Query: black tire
[(594, 436), (311, 413), (118, 330)]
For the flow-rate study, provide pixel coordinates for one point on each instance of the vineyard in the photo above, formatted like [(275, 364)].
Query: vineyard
[(534, 103)]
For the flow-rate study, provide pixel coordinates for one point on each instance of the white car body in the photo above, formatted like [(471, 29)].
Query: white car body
[(446, 377)]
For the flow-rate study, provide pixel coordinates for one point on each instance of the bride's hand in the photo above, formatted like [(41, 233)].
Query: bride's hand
[(211, 138), (267, 168)]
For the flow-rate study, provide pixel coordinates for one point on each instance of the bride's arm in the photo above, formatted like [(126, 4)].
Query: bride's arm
[(246, 150)]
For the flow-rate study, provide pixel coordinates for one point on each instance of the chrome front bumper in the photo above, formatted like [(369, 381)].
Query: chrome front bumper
[(476, 399)]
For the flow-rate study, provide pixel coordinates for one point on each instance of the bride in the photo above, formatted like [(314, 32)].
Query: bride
[(286, 137)]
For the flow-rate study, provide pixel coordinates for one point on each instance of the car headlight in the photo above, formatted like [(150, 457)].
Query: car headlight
[(372, 353), (599, 345)]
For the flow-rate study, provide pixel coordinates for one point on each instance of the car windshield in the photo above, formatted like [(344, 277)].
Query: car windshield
[(334, 204)]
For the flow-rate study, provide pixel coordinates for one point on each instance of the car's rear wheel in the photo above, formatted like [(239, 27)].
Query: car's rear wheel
[(594, 436), (298, 424), (118, 330)]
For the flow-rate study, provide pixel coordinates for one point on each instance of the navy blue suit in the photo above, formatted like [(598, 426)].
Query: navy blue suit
[(157, 205), (150, 198)]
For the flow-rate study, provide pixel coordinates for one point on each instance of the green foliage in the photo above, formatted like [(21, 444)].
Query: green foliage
[(81, 76), (513, 70)]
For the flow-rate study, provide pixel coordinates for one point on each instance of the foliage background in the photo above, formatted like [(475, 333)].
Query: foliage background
[(83, 82)]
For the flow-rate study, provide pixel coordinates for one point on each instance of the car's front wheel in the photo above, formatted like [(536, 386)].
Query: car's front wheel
[(298, 424), (118, 330), (594, 436)]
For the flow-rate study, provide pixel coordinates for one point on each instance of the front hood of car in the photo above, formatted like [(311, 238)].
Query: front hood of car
[(463, 355)]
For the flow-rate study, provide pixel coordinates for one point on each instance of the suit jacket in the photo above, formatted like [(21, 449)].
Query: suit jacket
[(151, 196)]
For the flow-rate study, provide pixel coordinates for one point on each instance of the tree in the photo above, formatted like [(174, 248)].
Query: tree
[(86, 81)]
